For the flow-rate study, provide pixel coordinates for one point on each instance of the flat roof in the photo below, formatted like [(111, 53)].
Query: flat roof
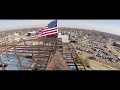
[(117, 42)]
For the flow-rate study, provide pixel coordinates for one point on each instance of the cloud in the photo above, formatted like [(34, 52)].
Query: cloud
[(32, 23), (40, 23), (82, 24), (114, 29)]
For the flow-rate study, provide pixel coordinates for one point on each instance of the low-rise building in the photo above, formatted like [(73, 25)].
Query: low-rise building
[(116, 43)]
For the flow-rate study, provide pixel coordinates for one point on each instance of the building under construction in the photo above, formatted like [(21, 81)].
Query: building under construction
[(39, 54)]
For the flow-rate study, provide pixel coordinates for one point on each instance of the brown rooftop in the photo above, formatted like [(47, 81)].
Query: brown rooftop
[(57, 63)]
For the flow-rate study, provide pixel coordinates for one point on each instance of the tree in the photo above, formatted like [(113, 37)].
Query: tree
[(85, 61)]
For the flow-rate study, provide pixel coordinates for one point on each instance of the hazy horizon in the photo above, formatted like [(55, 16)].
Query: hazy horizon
[(109, 26)]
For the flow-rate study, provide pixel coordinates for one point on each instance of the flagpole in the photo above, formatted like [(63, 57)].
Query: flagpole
[(57, 28)]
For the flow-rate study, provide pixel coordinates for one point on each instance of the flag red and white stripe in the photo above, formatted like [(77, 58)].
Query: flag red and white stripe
[(48, 31)]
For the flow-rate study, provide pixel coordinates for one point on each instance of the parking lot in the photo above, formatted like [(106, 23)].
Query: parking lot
[(97, 49)]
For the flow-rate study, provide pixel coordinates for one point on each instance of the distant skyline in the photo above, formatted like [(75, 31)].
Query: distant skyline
[(110, 26)]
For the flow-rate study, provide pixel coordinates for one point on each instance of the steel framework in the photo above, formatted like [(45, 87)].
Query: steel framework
[(27, 56)]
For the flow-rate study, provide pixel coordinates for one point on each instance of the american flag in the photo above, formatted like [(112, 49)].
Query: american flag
[(50, 29)]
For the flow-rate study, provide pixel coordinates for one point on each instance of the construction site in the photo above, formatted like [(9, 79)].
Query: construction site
[(39, 54), (70, 49)]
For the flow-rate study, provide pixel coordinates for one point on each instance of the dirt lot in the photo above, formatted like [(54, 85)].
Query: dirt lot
[(95, 65), (100, 66)]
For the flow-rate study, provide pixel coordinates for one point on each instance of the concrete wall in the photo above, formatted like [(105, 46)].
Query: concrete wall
[(65, 38)]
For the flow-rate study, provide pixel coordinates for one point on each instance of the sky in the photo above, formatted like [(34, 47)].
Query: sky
[(110, 26)]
